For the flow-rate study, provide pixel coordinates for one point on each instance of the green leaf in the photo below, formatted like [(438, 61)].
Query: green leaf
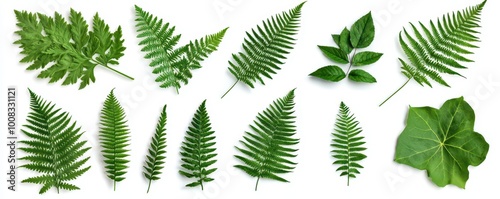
[(359, 75), (440, 47), (335, 54), (114, 136), (336, 39), (267, 150), (366, 58), (154, 160), (266, 47), (347, 143), (67, 51), (197, 150), (362, 32), (443, 142), (344, 41), (54, 147), (329, 73), (172, 65)]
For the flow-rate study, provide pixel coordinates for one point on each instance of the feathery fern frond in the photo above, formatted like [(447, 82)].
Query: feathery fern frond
[(172, 65), (114, 137), (265, 48), (155, 159), (54, 147), (268, 151), (347, 143), (68, 51), (439, 49), (198, 151)]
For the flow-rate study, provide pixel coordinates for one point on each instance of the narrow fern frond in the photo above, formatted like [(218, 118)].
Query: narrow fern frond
[(172, 65), (54, 148), (265, 48), (156, 156), (114, 138), (347, 144), (439, 49), (268, 151), (198, 151)]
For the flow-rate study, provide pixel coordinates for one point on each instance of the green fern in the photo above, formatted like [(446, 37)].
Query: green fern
[(68, 51), (265, 48), (198, 152), (173, 66), (347, 143), (154, 160), (54, 147), (114, 138), (440, 48), (267, 152)]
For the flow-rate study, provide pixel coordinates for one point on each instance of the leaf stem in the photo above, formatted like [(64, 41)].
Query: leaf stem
[(149, 185), (395, 92), (257, 184), (114, 185), (350, 61), (230, 88), (116, 71)]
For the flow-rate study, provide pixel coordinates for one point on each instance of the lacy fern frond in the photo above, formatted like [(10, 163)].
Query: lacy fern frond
[(265, 48), (156, 156), (68, 51), (347, 143), (114, 137), (268, 151), (198, 151), (172, 65), (54, 146), (439, 48)]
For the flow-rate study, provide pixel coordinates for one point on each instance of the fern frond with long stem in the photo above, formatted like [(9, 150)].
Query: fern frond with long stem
[(347, 143), (267, 152), (156, 156), (114, 137), (172, 65), (439, 49), (198, 151), (68, 51), (54, 148), (265, 48)]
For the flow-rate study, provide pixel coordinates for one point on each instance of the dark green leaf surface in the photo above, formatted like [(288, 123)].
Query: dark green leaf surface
[(347, 144), (156, 156), (362, 32), (366, 58), (268, 150), (359, 75), (172, 65), (198, 151), (335, 54), (114, 136), (329, 73), (345, 41), (54, 148), (443, 142), (265, 48)]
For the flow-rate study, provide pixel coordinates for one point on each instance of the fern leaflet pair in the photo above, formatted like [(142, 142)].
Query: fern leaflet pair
[(172, 66)]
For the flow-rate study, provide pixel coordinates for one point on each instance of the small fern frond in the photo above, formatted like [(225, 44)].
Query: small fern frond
[(172, 65), (268, 151), (114, 137), (198, 151), (347, 143), (439, 49), (54, 148), (265, 48), (156, 156)]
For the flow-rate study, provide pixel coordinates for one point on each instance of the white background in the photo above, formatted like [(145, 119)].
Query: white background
[(316, 101)]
